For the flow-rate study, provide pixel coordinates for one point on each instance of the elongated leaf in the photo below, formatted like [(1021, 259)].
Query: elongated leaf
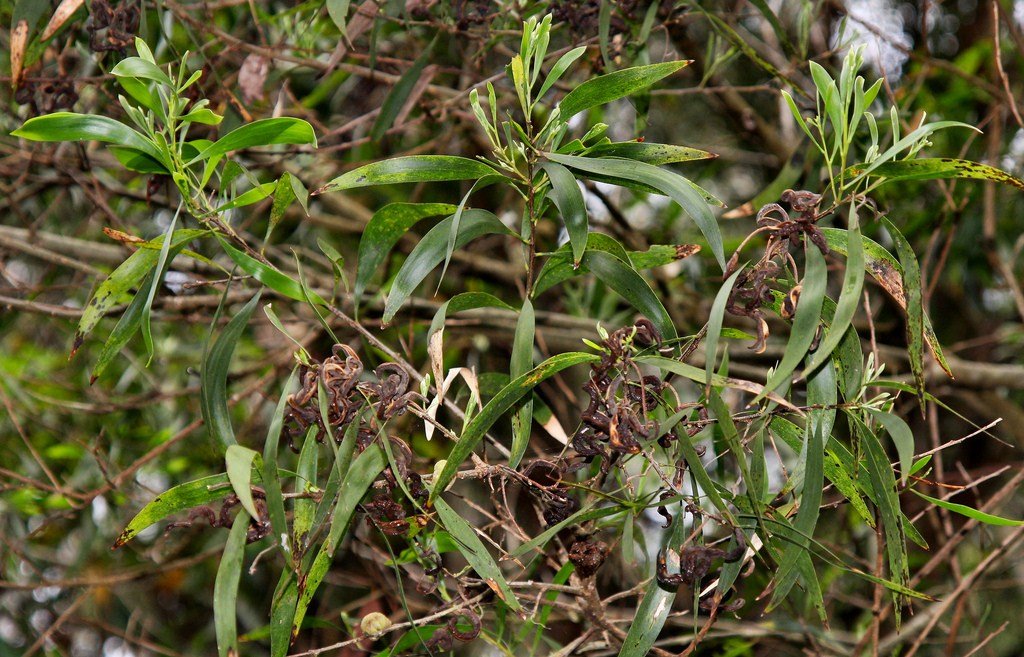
[(806, 517), (915, 308), (225, 587), (497, 406), (612, 86), (136, 67), (972, 513), (430, 251), (808, 316), (583, 515), (214, 379), (714, 331), (68, 126), (884, 486), (901, 436), (679, 189), (688, 371), (306, 481), (840, 468), (888, 273), (849, 298), (475, 552), (520, 363), (175, 500), (905, 143), (559, 265), (272, 278), (462, 302), (128, 275), (651, 153), (384, 230), (360, 475), (938, 168), (241, 462), (655, 606), (633, 288), (568, 198), (560, 67), (282, 611), (271, 480), (414, 168), (264, 132)]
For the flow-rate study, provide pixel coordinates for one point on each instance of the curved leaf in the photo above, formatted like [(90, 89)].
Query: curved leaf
[(475, 552), (606, 88), (676, 187), (68, 126), (972, 513), (241, 463), (430, 251), (938, 168), (496, 407), (384, 230), (521, 363), (568, 198), (714, 329), (808, 316), (360, 475), (651, 153), (264, 132), (225, 587), (214, 379), (849, 298), (414, 168), (633, 288), (174, 500)]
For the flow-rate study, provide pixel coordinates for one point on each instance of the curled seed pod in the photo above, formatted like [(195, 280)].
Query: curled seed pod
[(587, 556)]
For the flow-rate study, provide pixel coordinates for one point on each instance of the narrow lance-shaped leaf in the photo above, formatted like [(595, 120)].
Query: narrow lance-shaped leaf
[(127, 276), (282, 611), (654, 607), (225, 587), (175, 500), (808, 315), (714, 329), (213, 392), (384, 230), (649, 152), (475, 552), (606, 88), (360, 475), (915, 308), (888, 273), (264, 132), (568, 198), (68, 126), (972, 513), (429, 253), (806, 517), (938, 168), (632, 287), (496, 407), (414, 168), (676, 187), (901, 436), (849, 297), (271, 480), (520, 363)]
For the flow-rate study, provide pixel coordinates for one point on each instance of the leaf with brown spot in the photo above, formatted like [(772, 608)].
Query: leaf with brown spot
[(60, 16), (939, 168)]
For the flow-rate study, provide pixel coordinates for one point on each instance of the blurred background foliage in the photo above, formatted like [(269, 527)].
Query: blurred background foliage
[(78, 459)]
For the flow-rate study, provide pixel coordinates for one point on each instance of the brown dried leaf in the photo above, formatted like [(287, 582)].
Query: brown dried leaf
[(19, 40), (64, 11)]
